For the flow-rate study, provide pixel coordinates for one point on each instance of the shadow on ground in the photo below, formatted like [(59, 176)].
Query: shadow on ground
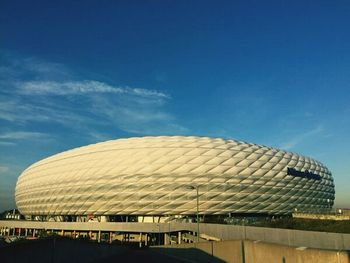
[(59, 250)]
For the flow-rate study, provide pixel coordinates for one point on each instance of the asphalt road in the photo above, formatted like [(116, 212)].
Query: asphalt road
[(142, 255)]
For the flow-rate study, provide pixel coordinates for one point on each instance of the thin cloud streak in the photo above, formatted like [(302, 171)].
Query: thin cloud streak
[(298, 139), (82, 87), (22, 135), (49, 93), (16, 67), (7, 143), (139, 119), (22, 112), (3, 169)]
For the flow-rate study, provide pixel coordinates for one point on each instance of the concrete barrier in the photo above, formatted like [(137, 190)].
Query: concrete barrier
[(228, 251), (298, 238), (258, 252)]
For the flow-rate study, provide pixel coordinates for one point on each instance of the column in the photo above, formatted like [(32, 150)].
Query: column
[(140, 240), (166, 239), (179, 237)]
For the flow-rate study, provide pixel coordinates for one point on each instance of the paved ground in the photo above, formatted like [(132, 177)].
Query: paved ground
[(73, 251), (142, 255)]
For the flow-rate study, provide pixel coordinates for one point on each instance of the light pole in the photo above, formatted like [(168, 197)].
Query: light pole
[(197, 191)]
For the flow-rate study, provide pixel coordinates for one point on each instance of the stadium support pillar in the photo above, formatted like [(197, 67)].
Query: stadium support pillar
[(33, 232), (110, 237), (179, 237), (99, 236), (26, 232), (62, 232), (166, 239), (19, 231), (146, 240), (14, 231), (74, 234), (140, 240)]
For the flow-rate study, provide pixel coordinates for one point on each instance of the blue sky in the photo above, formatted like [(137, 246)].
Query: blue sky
[(269, 72)]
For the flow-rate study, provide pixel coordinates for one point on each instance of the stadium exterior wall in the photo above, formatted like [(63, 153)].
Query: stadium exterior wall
[(158, 176)]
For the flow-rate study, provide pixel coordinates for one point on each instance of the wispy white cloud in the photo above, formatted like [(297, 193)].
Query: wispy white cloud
[(22, 135), (21, 111), (98, 136), (82, 87), (300, 138), (37, 92), (7, 143), (139, 119), (3, 169), (15, 66)]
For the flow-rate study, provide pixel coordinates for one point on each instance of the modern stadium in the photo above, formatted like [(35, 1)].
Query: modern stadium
[(172, 176)]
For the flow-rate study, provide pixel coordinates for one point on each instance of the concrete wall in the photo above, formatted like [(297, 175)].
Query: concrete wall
[(224, 251), (264, 252), (256, 252), (229, 251), (298, 238)]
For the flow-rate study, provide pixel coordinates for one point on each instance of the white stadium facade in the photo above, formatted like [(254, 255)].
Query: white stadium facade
[(165, 176)]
